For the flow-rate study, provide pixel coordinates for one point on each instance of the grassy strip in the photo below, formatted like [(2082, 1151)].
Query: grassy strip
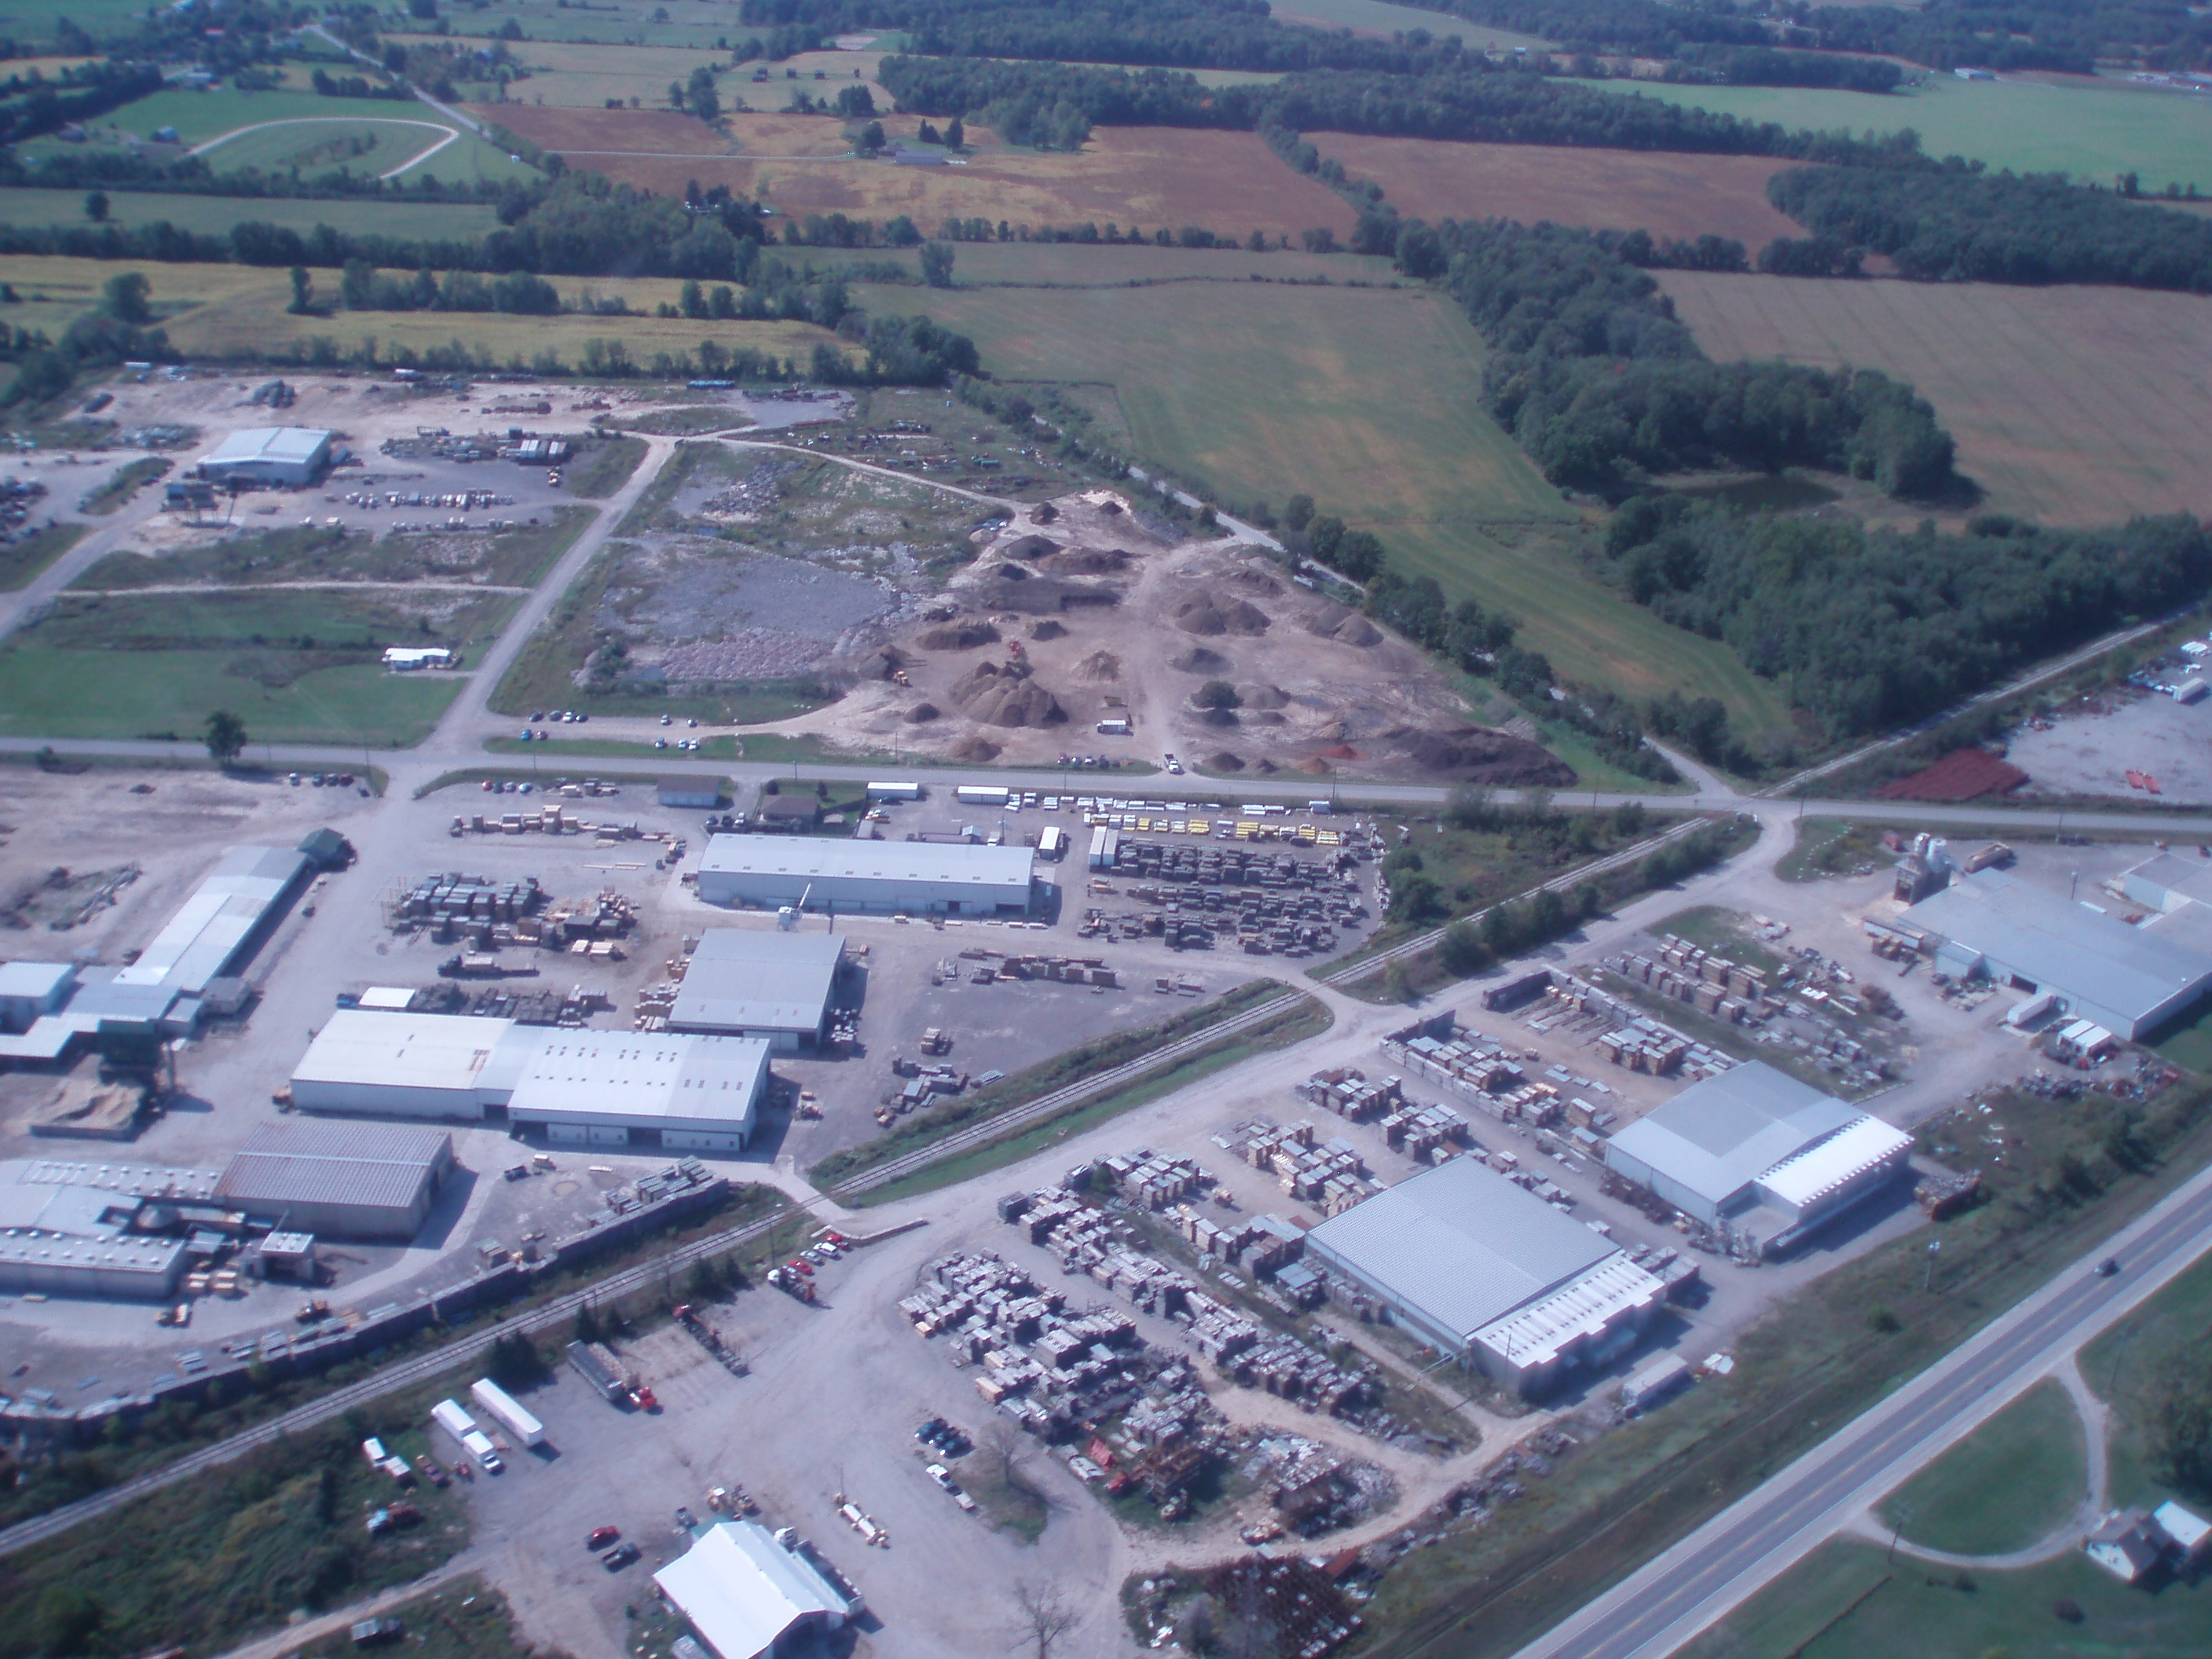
[(468, 774), (63, 1474), (1085, 1061), (1309, 1018), (24, 561), (127, 482), (2007, 1485), (600, 467), (61, 761), (2073, 1172), (463, 1620)]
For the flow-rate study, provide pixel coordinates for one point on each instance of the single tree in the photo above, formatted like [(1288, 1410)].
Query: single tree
[(937, 265), (701, 97), (956, 136), (303, 292), (1045, 1617), (95, 207), (128, 297), (225, 737)]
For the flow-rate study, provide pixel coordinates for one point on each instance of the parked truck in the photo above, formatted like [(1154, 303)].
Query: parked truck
[(498, 1403), (479, 1445), (608, 1376)]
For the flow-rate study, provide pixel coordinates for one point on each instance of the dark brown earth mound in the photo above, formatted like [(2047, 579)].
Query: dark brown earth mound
[(1345, 626), (1085, 561), (1476, 753), (1263, 697), (1315, 766), (1259, 583), (1005, 697), (1207, 615), (959, 636), (975, 749), (1046, 629), (922, 713), (1043, 512), (1222, 761), (1199, 660), (1099, 665), (1029, 547), (1017, 590)]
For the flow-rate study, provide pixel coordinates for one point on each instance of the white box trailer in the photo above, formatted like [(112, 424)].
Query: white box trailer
[(1053, 843), (449, 1415), (500, 1404), (894, 791), (982, 794)]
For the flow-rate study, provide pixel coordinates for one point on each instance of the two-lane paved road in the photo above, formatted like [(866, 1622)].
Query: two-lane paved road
[(1658, 1608)]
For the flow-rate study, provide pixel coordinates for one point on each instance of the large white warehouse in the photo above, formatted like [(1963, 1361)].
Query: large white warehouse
[(1491, 1274), (759, 982), (288, 455), (396, 1065), (827, 873)]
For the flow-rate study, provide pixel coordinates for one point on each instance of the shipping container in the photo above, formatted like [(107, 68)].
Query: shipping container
[(894, 791), (982, 794), (449, 1416), (497, 1402)]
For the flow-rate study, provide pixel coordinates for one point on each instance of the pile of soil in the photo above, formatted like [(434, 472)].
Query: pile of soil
[(1263, 697), (1029, 547), (1085, 561), (1315, 766), (1207, 615), (1222, 761), (959, 636), (1342, 751), (1046, 629), (1003, 697), (1199, 660), (1043, 512), (1251, 580), (1475, 754), (1006, 573), (1346, 627), (921, 714), (1099, 665), (976, 749), (1007, 587)]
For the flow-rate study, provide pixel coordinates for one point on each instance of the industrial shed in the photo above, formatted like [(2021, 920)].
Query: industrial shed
[(1994, 925), (625, 1088), (218, 927), (1491, 1273), (708, 792), (776, 986), (829, 873), (293, 456), (338, 1180), (748, 1596), (1755, 1153), (407, 1065)]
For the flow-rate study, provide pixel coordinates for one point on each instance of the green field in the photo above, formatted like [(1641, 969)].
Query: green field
[(1368, 400), (2122, 1366), (21, 561), (201, 117), (2092, 130), (1844, 1602), (2008, 1485), (1380, 17), (213, 215), (295, 667)]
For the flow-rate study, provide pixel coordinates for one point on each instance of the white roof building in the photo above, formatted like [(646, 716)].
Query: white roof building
[(269, 455), (610, 1088), (761, 983), (216, 928), (744, 1593), (833, 873), (403, 1065)]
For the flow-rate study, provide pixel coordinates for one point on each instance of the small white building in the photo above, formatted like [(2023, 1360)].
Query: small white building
[(31, 990), (750, 1597), (293, 456), (406, 659), (701, 1094)]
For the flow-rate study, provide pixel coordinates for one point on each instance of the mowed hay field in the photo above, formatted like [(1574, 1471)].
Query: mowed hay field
[(214, 216), (1668, 195), (565, 74), (2077, 405), (2089, 129), (1380, 17), (1368, 400), (1155, 177)]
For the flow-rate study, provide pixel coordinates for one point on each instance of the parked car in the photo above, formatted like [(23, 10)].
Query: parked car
[(601, 1537), (619, 1556), (374, 1632)]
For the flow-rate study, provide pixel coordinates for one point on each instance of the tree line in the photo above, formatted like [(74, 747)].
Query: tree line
[(1872, 629), (1962, 224)]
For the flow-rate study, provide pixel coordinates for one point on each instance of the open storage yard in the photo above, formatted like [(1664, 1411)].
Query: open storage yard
[(2070, 406)]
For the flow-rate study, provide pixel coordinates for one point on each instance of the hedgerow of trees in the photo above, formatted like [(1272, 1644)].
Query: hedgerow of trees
[(1871, 629)]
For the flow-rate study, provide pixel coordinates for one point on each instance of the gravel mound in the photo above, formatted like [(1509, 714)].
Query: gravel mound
[(1004, 696), (1199, 660), (959, 636), (1099, 665), (1046, 629)]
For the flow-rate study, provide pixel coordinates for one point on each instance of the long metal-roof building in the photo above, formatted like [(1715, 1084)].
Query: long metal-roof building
[(753, 982), (217, 927), (1491, 1273), (831, 874), (748, 1596), (1756, 1151), (407, 1065), (338, 1180), (293, 455), (690, 1093), (2132, 980)]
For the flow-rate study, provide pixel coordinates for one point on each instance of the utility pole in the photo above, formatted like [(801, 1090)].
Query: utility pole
[(1928, 1281)]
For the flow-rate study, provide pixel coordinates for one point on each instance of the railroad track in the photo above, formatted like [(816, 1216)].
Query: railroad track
[(1044, 1106), (420, 1369)]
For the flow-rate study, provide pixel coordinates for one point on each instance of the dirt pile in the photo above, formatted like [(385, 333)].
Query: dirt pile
[(1029, 547), (1085, 561), (959, 636), (1005, 697), (1476, 753), (1222, 761), (1257, 582), (1199, 660), (975, 749), (1263, 697), (1209, 615), (1009, 588), (1345, 626), (1046, 629), (1099, 665), (922, 713)]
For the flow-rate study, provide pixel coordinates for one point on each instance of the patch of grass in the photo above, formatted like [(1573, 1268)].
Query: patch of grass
[(1810, 1364), (506, 558), (466, 1619), (1722, 931), (598, 468), (462, 776), (22, 563), (2007, 1485), (1843, 1602), (683, 423), (1085, 1060), (1308, 1019), (128, 481), (2188, 1041), (1832, 847), (2121, 1364), (214, 216)]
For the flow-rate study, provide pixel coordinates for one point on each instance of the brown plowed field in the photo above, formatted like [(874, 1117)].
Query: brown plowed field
[(582, 132), (2077, 405), (1152, 176), (1668, 195)]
